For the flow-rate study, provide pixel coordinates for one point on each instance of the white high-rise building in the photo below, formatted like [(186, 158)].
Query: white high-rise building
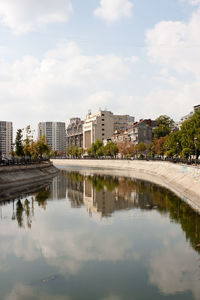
[(55, 133), (6, 138)]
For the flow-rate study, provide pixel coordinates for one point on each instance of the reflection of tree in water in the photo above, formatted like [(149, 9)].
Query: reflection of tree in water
[(101, 181), (179, 211), (19, 213), (25, 208), (145, 195), (42, 196)]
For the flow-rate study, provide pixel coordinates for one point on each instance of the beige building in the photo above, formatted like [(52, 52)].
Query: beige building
[(55, 133), (101, 126), (6, 138), (98, 126)]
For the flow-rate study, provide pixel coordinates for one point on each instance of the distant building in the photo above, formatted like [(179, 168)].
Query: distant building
[(55, 133), (101, 126), (120, 136), (122, 122), (6, 138), (74, 133), (142, 131), (186, 117)]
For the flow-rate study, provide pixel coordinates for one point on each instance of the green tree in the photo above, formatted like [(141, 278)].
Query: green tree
[(190, 134), (19, 143), (111, 149), (28, 141), (95, 148), (141, 148), (75, 151), (80, 152), (42, 148), (164, 126), (173, 144)]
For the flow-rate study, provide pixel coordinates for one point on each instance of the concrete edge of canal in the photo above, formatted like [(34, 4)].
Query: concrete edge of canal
[(183, 180), (15, 180)]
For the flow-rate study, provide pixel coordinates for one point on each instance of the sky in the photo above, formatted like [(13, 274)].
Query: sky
[(59, 59)]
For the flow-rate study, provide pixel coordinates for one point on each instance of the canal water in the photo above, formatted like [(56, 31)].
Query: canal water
[(99, 237)]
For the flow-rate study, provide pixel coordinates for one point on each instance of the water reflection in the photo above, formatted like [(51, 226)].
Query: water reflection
[(140, 251), (103, 195)]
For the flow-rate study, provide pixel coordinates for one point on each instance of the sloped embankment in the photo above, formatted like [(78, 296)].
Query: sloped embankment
[(15, 180)]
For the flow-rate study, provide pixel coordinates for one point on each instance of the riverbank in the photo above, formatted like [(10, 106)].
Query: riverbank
[(15, 180), (183, 180)]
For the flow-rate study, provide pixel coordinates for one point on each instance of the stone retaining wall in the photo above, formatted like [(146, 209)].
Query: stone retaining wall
[(17, 179), (183, 180)]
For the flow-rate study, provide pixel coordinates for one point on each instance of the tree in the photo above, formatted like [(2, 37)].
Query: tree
[(173, 144), (111, 149), (126, 148), (141, 148), (18, 143), (95, 148), (28, 141), (190, 134), (159, 145), (42, 148), (164, 126), (80, 152), (75, 151)]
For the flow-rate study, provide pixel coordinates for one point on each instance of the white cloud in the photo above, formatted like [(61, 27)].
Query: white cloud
[(194, 2), (132, 59), (22, 16), (174, 269), (63, 77), (113, 10), (174, 47), (23, 292)]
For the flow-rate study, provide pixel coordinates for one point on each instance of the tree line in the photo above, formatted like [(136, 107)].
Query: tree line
[(29, 148)]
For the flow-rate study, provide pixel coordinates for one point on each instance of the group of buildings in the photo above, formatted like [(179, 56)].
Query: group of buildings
[(102, 125)]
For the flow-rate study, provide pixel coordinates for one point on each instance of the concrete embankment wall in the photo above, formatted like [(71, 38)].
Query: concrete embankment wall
[(15, 179), (183, 180)]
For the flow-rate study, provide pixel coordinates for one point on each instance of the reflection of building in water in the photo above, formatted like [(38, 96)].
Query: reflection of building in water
[(103, 194), (58, 187), (104, 202), (75, 189)]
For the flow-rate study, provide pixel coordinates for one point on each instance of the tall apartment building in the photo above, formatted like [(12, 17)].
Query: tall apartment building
[(74, 133), (101, 126), (6, 138), (55, 133)]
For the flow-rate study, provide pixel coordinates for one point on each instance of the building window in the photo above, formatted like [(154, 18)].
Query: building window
[(102, 124)]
